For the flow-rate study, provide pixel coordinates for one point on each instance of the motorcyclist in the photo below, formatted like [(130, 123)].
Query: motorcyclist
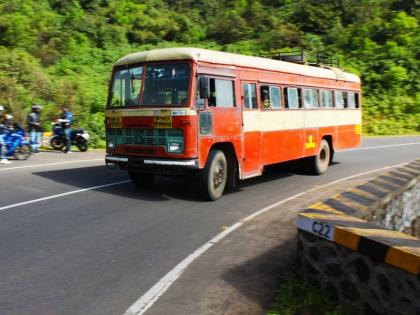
[(34, 127), (66, 120), (3, 130)]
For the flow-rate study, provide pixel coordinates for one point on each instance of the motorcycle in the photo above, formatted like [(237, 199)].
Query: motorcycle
[(16, 144), (79, 137)]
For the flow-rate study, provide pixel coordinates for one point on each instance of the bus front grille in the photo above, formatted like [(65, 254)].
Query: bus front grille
[(144, 137)]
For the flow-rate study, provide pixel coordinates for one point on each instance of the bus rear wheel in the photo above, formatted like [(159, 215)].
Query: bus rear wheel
[(213, 176), (143, 180), (318, 164)]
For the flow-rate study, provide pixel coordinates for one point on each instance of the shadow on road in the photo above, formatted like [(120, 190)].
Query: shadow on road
[(85, 177), (258, 278), (278, 171), (164, 188)]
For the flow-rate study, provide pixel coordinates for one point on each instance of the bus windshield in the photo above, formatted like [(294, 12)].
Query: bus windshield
[(164, 84)]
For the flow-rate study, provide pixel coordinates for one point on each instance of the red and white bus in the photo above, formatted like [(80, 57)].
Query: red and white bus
[(225, 116)]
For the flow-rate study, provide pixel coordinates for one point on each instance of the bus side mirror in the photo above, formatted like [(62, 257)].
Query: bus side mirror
[(204, 87)]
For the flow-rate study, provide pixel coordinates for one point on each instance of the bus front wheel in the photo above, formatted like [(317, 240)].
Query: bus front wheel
[(213, 176), (318, 164)]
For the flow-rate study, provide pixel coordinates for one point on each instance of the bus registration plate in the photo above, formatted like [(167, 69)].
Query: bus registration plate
[(163, 121), (113, 120)]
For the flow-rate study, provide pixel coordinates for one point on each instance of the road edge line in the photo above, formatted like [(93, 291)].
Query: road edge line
[(378, 147)]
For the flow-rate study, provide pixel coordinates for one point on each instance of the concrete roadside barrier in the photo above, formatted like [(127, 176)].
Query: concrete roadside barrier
[(357, 244)]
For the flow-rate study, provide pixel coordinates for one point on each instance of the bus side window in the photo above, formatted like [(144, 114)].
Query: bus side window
[(310, 98), (341, 99), (345, 100), (352, 100), (292, 98), (275, 97), (265, 97), (357, 101), (250, 95), (326, 99), (270, 97)]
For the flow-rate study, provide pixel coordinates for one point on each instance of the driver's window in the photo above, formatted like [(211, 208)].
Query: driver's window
[(221, 94)]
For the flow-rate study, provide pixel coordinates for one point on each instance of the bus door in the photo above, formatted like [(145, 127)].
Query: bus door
[(251, 131), (312, 119), (221, 120)]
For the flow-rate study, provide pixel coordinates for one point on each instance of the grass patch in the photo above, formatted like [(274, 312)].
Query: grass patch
[(298, 296)]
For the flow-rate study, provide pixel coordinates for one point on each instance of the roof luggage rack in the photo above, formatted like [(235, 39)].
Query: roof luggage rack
[(327, 60), (300, 57)]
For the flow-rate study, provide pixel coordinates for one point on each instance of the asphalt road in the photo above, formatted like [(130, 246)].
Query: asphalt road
[(66, 248)]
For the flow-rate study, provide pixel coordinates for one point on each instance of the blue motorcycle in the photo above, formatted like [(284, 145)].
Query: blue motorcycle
[(79, 137), (17, 145)]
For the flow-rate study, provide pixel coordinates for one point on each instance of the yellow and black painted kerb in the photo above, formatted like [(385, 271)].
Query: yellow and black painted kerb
[(335, 219)]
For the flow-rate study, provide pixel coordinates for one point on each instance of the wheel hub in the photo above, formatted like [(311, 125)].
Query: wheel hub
[(219, 174)]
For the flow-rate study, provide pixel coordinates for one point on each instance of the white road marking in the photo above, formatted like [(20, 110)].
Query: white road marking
[(379, 147), (153, 294), (61, 195), (49, 164)]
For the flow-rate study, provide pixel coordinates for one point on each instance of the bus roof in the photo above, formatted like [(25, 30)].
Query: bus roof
[(218, 57)]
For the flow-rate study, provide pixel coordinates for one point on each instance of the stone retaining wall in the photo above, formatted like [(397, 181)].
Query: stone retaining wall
[(363, 264), (402, 213)]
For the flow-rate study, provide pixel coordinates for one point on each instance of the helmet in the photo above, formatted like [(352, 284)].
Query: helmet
[(8, 117), (36, 107)]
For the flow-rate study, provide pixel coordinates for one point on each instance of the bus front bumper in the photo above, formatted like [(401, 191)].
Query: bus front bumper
[(153, 165)]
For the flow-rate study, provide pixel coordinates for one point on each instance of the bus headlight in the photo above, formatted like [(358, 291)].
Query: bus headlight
[(111, 145), (175, 147)]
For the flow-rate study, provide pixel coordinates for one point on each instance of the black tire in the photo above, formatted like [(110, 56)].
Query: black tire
[(319, 163), (331, 156), (82, 144), (214, 176), (232, 179), (143, 180), (23, 152), (57, 143)]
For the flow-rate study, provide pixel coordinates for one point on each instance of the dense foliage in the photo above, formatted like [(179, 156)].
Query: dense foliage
[(55, 52)]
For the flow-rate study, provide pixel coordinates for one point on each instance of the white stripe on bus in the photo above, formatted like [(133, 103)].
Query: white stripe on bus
[(272, 120)]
